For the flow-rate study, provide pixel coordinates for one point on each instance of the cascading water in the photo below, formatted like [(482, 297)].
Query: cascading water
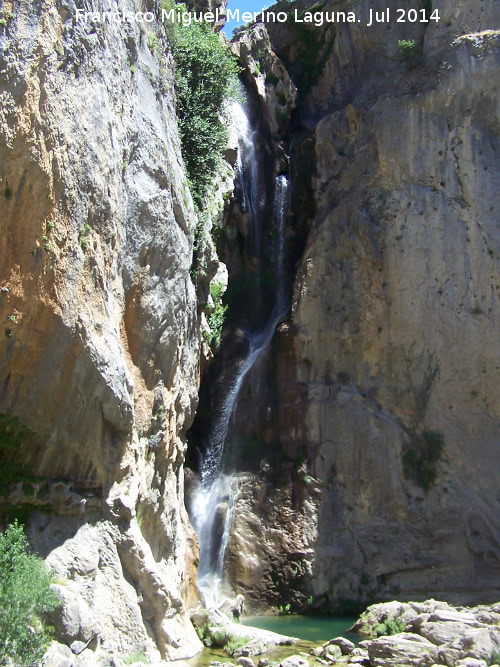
[(246, 170), (280, 210), (213, 501)]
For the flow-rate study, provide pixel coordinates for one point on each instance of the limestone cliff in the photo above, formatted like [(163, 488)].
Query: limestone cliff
[(386, 405), (100, 339)]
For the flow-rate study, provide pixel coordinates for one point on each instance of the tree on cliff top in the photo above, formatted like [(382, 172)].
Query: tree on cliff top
[(25, 595)]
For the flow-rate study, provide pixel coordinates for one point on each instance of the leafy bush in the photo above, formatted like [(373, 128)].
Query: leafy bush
[(204, 635), (205, 76), (219, 637), (391, 626), (408, 51), (406, 47), (235, 643), (495, 658), (84, 242), (421, 456), (153, 43), (25, 595), (216, 318)]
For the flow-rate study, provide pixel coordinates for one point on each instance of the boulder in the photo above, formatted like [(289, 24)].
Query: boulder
[(74, 617), (449, 656), (59, 655), (245, 662), (345, 645), (233, 608), (455, 615), (441, 632), (255, 647), (359, 656), (474, 644), (294, 661), (402, 649), (332, 652), (387, 612)]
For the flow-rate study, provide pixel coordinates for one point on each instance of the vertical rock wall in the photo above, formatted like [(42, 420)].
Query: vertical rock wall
[(99, 342), (394, 328), (387, 407)]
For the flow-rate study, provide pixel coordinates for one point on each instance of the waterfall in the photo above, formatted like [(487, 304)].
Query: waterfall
[(214, 499), (246, 170), (280, 210)]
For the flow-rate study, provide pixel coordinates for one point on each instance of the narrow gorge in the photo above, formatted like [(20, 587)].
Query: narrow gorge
[(288, 391)]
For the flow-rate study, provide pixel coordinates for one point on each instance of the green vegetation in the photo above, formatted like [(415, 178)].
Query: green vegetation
[(219, 637), (13, 435), (160, 412), (136, 657), (205, 78), (216, 318), (406, 47), (391, 626), (204, 635), (25, 595), (284, 609), (421, 456), (235, 643), (84, 242), (408, 52), (313, 48), (153, 43)]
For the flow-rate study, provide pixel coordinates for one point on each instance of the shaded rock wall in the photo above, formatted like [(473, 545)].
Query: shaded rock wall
[(100, 355), (388, 366)]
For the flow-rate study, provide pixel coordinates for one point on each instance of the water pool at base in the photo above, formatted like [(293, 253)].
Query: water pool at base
[(308, 628), (311, 631)]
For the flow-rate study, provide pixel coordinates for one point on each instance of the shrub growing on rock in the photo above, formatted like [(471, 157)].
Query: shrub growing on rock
[(409, 52), (25, 596)]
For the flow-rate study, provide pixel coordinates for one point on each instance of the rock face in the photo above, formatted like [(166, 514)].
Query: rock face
[(428, 633), (388, 367), (100, 344)]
